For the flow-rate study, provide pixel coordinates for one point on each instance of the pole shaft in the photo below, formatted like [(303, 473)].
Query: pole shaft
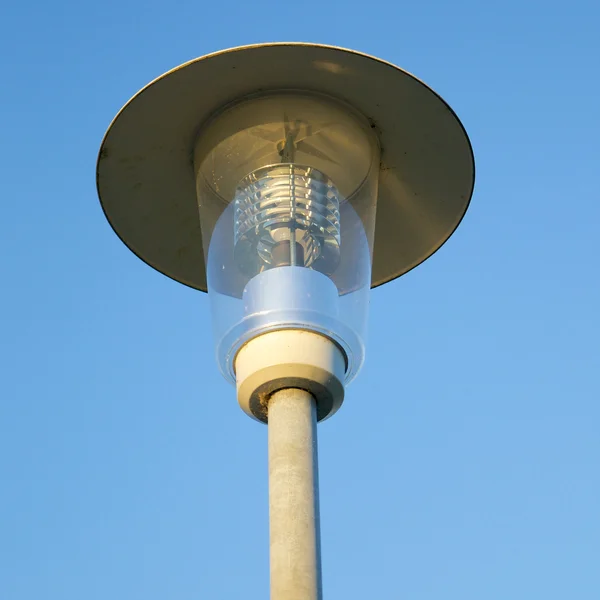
[(294, 497)]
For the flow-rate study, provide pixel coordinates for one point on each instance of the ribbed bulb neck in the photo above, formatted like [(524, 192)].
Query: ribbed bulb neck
[(286, 215)]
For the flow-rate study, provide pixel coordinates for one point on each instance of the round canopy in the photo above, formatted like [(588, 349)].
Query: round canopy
[(145, 173)]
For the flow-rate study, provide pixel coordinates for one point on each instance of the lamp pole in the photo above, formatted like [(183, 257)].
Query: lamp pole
[(287, 180), (294, 496)]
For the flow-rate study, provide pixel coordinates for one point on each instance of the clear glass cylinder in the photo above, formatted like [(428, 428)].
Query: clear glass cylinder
[(287, 189)]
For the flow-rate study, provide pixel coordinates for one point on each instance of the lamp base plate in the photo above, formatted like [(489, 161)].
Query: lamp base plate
[(290, 358)]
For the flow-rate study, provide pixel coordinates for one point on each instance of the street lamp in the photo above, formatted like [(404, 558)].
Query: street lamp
[(256, 174)]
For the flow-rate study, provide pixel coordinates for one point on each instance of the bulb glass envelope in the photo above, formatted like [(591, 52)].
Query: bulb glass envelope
[(153, 161), (287, 189)]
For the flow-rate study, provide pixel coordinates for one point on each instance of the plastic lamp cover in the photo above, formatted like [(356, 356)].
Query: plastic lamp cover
[(287, 190)]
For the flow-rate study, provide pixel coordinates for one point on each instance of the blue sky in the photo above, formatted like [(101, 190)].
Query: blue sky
[(464, 463)]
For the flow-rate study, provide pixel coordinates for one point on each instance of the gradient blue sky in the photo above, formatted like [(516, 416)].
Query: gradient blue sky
[(464, 464)]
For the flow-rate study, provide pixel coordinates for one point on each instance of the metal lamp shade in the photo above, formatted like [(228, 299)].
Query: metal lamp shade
[(145, 172)]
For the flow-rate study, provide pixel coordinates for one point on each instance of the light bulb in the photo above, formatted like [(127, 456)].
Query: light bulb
[(287, 215)]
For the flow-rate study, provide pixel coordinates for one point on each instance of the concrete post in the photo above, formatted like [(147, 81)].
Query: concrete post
[(294, 497)]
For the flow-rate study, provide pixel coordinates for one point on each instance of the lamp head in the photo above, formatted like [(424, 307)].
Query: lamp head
[(286, 180)]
